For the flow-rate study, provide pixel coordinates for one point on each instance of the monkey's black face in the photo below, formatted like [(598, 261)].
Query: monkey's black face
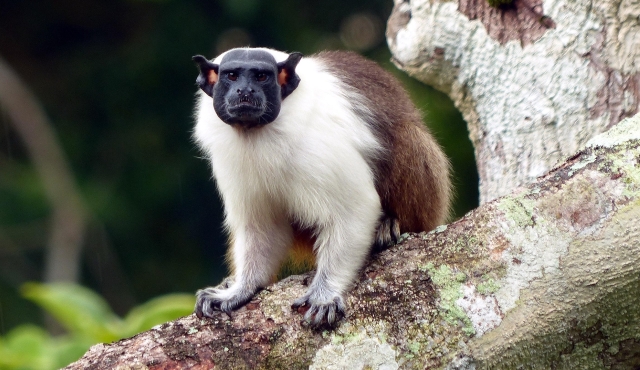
[(247, 91), (248, 85)]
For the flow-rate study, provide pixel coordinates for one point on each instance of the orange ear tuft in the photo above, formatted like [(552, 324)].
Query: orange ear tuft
[(212, 77), (282, 77)]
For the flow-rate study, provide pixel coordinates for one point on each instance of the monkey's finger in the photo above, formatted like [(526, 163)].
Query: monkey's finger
[(395, 230), (299, 302), (226, 307), (310, 313), (331, 314), (320, 315), (198, 310), (204, 308)]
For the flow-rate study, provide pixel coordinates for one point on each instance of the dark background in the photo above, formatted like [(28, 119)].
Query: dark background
[(117, 82)]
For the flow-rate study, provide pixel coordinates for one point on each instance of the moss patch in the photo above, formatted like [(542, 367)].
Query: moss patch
[(449, 283), (487, 287), (518, 209)]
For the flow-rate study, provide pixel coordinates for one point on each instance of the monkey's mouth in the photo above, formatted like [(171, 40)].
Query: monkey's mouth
[(245, 110), (244, 104), (245, 100)]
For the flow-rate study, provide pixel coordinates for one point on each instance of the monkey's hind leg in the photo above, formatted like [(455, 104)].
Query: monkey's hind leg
[(387, 233)]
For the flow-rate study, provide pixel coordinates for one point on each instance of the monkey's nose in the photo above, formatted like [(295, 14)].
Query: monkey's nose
[(245, 91)]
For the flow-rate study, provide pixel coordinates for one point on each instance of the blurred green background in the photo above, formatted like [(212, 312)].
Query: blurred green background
[(116, 81)]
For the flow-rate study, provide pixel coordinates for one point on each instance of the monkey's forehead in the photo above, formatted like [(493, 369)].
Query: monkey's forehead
[(254, 65), (252, 54)]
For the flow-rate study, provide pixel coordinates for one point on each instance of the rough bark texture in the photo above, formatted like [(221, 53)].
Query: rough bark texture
[(546, 277), (535, 80)]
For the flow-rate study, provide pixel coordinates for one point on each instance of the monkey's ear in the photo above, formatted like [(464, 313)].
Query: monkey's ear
[(287, 76), (208, 74)]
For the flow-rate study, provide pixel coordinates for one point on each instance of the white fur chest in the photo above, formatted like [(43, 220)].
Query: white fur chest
[(310, 163)]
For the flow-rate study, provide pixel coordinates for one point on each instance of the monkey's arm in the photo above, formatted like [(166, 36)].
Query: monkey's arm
[(258, 248)]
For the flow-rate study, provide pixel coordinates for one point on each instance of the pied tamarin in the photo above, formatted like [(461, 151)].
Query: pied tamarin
[(325, 150)]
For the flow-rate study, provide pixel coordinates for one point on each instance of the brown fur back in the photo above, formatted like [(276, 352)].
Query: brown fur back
[(412, 177)]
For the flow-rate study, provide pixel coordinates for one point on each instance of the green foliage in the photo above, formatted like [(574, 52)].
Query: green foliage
[(30, 347), (156, 311), (88, 320), (78, 309)]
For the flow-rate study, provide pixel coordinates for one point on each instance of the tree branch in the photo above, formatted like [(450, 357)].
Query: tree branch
[(546, 277)]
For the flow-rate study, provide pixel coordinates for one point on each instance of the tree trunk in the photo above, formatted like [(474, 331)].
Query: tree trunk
[(546, 277), (535, 80)]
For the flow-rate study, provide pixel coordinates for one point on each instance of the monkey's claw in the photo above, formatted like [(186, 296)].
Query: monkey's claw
[(321, 313), (387, 233), (211, 299)]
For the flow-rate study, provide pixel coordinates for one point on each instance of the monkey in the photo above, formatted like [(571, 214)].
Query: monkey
[(327, 151)]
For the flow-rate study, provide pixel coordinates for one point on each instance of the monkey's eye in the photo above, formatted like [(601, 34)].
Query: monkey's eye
[(261, 77), (232, 76)]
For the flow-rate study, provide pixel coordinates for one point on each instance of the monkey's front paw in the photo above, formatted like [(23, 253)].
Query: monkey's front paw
[(321, 312), (210, 299)]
